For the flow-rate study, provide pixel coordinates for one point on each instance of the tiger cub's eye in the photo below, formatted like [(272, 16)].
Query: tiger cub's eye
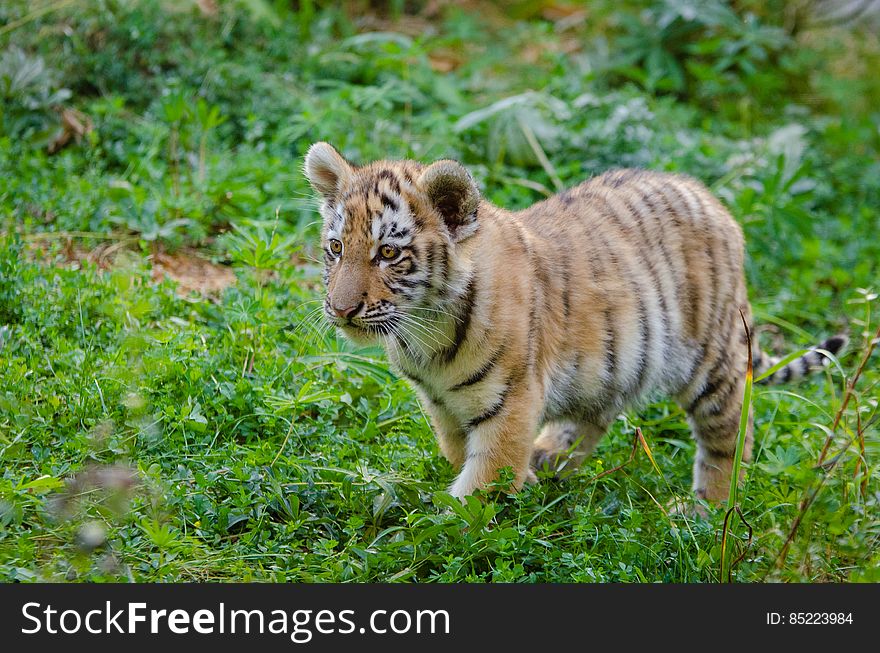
[(388, 251), (335, 246)]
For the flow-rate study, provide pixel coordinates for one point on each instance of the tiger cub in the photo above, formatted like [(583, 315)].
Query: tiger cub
[(526, 333)]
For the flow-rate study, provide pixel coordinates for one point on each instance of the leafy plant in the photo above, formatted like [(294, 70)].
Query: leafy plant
[(29, 96)]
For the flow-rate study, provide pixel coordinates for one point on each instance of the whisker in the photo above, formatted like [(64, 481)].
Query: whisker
[(403, 330), (422, 328), (431, 324)]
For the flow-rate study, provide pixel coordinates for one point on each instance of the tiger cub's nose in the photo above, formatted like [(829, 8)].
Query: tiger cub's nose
[(348, 311)]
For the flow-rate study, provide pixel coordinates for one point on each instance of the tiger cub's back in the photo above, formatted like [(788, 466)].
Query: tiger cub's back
[(661, 260)]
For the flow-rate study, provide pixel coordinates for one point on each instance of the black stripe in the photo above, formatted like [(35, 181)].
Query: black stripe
[(492, 411), (544, 281), (387, 284), (392, 180), (481, 373), (445, 250), (644, 322), (531, 347), (541, 272), (709, 389), (431, 260), (405, 346), (715, 377), (411, 283), (610, 348), (652, 269), (693, 294), (684, 283), (405, 292), (714, 452), (419, 382), (833, 344), (412, 249), (616, 178), (722, 395), (520, 237), (609, 339), (516, 376), (645, 332), (644, 328), (410, 263), (805, 366), (661, 243), (566, 286), (714, 305), (398, 233), (462, 322)]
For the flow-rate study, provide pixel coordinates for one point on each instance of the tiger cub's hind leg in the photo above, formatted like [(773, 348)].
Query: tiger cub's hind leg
[(563, 445), (714, 417)]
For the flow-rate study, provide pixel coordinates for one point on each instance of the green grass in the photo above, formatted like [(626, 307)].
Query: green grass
[(152, 435)]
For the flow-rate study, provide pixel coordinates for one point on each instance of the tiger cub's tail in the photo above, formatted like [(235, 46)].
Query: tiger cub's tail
[(810, 362)]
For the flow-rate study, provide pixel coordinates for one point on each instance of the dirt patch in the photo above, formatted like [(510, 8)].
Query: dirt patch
[(191, 272), (186, 267)]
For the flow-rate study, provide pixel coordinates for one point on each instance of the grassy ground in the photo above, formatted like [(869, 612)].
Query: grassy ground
[(154, 433)]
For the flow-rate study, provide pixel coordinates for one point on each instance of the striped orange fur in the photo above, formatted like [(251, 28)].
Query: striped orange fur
[(526, 333)]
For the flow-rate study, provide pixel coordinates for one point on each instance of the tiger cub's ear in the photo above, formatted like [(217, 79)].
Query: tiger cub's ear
[(454, 194), (326, 169)]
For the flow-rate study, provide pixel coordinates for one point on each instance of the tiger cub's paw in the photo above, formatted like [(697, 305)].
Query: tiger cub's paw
[(547, 460)]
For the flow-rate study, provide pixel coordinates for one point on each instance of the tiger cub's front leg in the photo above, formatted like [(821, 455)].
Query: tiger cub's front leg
[(502, 436), (450, 435)]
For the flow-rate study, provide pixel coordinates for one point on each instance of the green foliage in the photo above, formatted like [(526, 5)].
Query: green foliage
[(28, 91), (707, 52), (151, 435)]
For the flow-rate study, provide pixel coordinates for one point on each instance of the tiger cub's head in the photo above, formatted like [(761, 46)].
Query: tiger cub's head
[(390, 234)]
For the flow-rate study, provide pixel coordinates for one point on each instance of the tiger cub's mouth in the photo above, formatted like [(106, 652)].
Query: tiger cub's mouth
[(365, 327)]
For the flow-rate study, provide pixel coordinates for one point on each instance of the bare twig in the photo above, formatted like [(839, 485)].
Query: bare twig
[(847, 395), (632, 455), (810, 495), (728, 569)]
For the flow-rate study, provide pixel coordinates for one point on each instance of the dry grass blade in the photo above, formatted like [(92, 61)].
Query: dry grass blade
[(847, 395), (737, 459), (863, 458), (540, 154), (727, 570), (632, 454), (810, 495)]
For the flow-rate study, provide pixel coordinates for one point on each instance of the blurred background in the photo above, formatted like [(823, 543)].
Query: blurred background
[(171, 120), (172, 406)]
